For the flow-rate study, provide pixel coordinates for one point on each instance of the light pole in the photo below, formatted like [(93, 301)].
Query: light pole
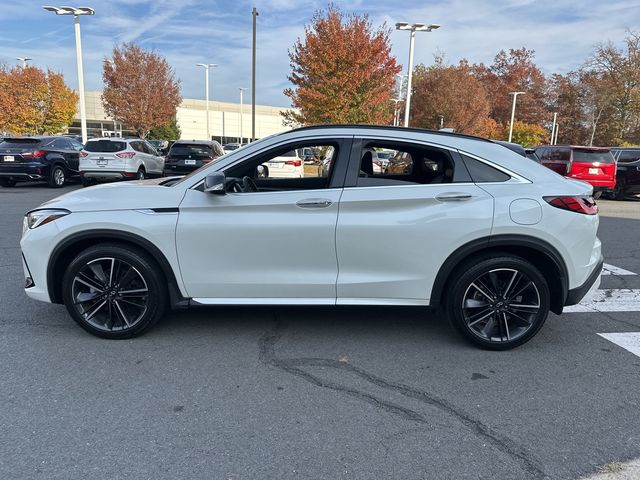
[(553, 128), (254, 15), (413, 28), (206, 90), (24, 60), (513, 111), (241, 102), (76, 12)]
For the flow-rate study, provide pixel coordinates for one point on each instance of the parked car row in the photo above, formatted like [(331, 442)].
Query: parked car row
[(613, 172), (56, 159)]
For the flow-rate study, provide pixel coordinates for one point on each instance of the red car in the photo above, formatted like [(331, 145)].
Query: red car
[(593, 165)]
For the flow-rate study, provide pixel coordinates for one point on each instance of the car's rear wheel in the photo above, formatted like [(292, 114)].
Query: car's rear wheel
[(87, 182), (597, 195), (140, 175), (498, 303), (57, 176), (618, 190), (7, 182), (114, 291)]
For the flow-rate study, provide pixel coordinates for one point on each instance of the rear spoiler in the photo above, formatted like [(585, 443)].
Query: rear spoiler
[(22, 139)]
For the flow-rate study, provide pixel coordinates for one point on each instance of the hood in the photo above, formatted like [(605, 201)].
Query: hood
[(129, 195)]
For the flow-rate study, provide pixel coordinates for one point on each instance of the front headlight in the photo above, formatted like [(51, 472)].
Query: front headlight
[(38, 218)]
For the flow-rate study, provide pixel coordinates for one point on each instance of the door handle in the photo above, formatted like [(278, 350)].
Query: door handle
[(314, 203), (453, 197)]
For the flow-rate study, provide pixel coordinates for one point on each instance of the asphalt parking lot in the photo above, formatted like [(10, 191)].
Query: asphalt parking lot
[(318, 393)]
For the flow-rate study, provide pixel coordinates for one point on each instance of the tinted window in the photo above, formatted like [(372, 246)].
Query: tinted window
[(482, 173), (76, 145), (62, 144), (558, 154), (194, 150), (629, 155), (408, 164), (591, 156), (106, 146)]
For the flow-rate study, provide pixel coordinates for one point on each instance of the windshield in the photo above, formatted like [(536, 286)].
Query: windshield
[(105, 146), (192, 150), (591, 156)]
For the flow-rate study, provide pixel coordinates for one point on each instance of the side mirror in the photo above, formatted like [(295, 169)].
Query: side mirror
[(214, 183)]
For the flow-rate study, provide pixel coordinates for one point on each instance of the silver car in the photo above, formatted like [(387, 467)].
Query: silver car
[(106, 159)]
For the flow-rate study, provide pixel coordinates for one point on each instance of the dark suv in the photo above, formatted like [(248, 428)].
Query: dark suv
[(187, 155), (52, 159), (627, 173)]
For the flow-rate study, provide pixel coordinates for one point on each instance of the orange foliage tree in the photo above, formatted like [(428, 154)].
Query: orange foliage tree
[(342, 71), (140, 89), (33, 101), (453, 93)]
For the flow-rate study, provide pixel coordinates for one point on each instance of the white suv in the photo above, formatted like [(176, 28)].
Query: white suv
[(119, 159), (471, 227)]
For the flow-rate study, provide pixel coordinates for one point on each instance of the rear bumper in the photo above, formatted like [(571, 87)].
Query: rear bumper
[(107, 175), (575, 295), (24, 171), (172, 170)]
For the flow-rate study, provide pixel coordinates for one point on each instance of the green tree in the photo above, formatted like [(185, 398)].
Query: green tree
[(342, 71), (169, 131), (527, 134)]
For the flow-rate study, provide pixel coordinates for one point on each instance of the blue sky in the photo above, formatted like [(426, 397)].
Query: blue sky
[(562, 32)]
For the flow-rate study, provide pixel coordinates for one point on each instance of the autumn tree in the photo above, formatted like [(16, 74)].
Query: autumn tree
[(513, 71), (140, 89), (342, 71), (450, 92), (33, 101)]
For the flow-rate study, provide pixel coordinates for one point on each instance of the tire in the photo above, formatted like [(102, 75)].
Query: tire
[(478, 307), (57, 177), (7, 182), (120, 291), (597, 195), (141, 175), (618, 191)]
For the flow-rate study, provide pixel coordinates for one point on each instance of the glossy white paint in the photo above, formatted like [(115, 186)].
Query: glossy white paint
[(357, 245), (391, 241)]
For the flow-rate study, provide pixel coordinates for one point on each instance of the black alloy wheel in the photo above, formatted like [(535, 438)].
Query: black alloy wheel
[(499, 303), (114, 291)]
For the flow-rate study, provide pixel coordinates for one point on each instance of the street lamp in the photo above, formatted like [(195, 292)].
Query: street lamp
[(513, 111), (413, 28), (241, 102), (76, 12), (206, 90), (24, 60)]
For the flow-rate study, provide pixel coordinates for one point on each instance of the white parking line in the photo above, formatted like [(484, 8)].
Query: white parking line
[(613, 270), (609, 300), (628, 340)]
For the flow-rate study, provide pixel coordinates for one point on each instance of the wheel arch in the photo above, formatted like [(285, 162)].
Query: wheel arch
[(542, 254), (66, 250)]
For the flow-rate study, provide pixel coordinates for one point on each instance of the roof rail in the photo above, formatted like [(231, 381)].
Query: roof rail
[(389, 127)]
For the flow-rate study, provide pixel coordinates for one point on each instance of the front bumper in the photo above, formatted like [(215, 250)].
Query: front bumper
[(575, 295)]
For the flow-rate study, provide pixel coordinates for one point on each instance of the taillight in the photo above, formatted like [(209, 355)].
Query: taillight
[(295, 163), (84, 154), (207, 160), (585, 205), (35, 154), (125, 154)]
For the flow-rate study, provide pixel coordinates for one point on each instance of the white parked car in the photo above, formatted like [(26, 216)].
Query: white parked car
[(119, 159), (381, 160), (286, 165), (495, 241)]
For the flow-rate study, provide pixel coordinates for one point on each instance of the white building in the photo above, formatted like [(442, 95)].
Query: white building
[(225, 121)]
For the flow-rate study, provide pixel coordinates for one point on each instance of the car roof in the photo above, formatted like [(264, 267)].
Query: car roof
[(196, 142)]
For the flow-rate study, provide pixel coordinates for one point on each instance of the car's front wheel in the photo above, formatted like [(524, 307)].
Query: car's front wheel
[(114, 291), (498, 303)]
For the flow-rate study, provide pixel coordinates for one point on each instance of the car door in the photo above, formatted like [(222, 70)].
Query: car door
[(153, 160), (71, 156), (272, 246), (395, 230)]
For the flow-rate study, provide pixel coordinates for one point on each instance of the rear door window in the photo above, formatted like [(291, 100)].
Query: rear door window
[(482, 173), (105, 146)]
